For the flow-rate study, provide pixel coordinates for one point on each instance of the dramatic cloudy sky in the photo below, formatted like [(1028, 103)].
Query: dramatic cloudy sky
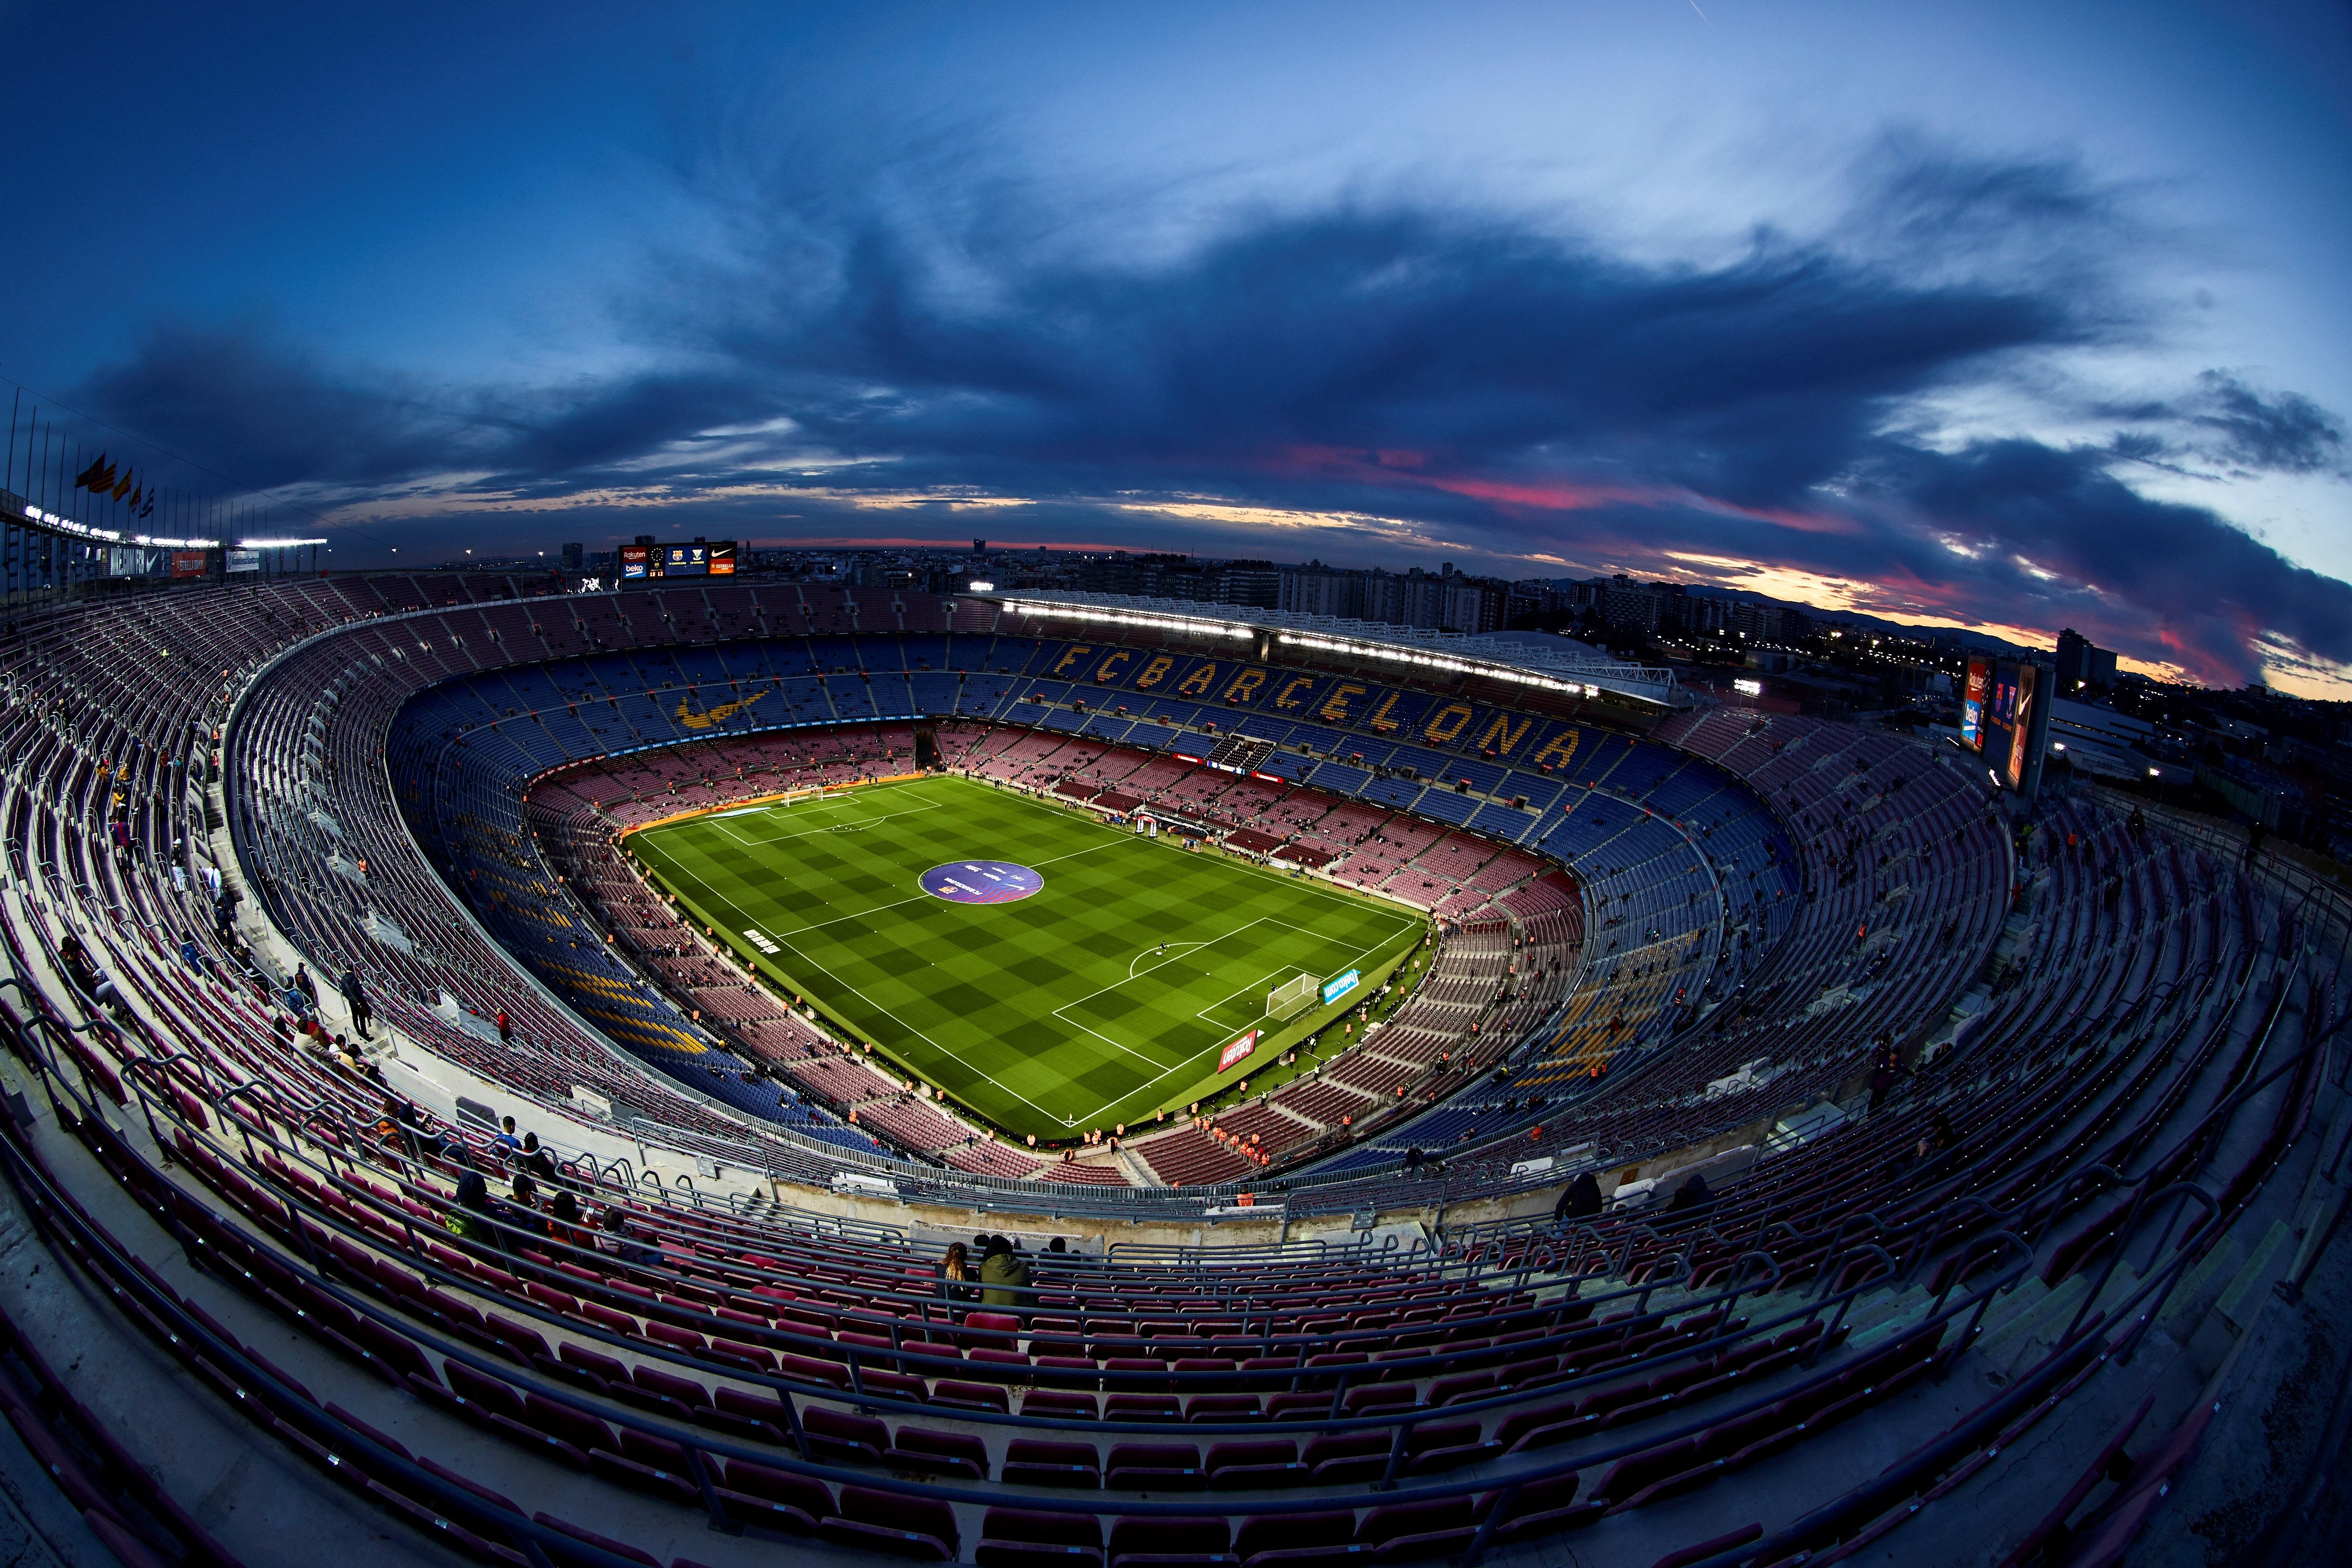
[(2003, 315)]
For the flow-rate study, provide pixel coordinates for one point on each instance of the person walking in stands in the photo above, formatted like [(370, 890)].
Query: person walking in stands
[(1003, 1276), (1883, 1076), (356, 1000), (308, 986)]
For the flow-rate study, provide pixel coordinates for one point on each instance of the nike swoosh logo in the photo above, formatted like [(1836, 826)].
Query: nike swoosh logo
[(719, 715)]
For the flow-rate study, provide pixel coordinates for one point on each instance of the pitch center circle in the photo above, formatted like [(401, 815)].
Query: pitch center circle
[(982, 882)]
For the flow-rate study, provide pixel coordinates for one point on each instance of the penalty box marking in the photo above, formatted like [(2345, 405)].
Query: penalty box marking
[(1203, 1014)]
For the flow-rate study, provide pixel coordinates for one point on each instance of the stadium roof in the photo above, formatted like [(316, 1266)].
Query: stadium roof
[(1553, 664)]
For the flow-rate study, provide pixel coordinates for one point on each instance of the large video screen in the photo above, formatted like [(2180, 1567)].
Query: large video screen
[(2027, 692), (1972, 705), (633, 560), (685, 559)]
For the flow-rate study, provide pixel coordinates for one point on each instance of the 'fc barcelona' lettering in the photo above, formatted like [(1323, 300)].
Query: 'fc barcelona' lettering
[(1446, 723)]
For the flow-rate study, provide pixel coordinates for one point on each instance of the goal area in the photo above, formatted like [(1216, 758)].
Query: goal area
[(1291, 998)]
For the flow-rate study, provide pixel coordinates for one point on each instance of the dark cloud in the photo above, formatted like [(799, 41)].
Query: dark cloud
[(2284, 434), (1506, 389)]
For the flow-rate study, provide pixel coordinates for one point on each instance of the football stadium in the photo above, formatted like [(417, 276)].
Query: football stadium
[(1387, 1097), (1296, 786)]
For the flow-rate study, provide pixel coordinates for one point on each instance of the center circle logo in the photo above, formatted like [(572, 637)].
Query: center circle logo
[(982, 882)]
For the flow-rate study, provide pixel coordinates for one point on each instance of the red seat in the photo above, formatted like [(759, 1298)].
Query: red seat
[(773, 1499), (1256, 1466), (1155, 1466), (1030, 1461), (919, 1528), (589, 1538), (1183, 1542), (956, 1454), (1030, 1537)]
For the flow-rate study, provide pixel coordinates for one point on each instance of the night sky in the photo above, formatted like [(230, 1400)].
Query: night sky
[(2001, 315)]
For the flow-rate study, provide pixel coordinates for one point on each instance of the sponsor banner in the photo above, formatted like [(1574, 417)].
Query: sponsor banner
[(1237, 1050), (1972, 705), (722, 559), (634, 560), (1338, 985), (187, 564), (244, 560)]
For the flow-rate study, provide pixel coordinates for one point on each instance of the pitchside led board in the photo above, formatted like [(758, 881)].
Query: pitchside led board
[(2005, 718)]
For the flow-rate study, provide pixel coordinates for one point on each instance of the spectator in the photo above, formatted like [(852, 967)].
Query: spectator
[(1003, 1276), (567, 1224), (474, 1217), (623, 1242), (1581, 1200), (506, 1028), (356, 1000), (506, 1145), (525, 1205), (1693, 1196), (84, 971), (191, 956), (305, 986), (537, 1160), (953, 1274), (421, 1140)]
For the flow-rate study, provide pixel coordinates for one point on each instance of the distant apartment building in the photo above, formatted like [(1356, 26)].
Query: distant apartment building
[(2080, 664)]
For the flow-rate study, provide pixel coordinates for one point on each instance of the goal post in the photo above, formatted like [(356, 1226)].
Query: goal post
[(794, 797), (1291, 998)]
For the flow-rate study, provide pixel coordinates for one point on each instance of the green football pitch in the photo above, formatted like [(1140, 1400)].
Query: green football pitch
[(1108, 994)]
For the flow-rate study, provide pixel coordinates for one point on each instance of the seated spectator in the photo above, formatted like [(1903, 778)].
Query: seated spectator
[(524, 1205), (567, 1224), (84, 971), (1004, 1276), (476, 1212), (954, 1271), (506, 1145), (623, 1243), (421, 1139), (536, 1160)]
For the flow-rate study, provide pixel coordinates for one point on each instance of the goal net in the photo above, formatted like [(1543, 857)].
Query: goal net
[(794, 797), (1290, 997)]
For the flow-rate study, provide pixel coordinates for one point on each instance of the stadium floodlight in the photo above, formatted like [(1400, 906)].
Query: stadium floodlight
[(980, 587), (281, 543)]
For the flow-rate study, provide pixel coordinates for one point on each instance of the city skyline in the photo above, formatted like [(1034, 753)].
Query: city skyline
[(2005, 322)]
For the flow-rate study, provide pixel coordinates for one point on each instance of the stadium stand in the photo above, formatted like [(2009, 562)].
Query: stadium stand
[(1780, 1140)]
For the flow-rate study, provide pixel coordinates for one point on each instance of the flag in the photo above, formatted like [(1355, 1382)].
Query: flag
[(98, 476), (149, 510), (122, 485), (136, 497)]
